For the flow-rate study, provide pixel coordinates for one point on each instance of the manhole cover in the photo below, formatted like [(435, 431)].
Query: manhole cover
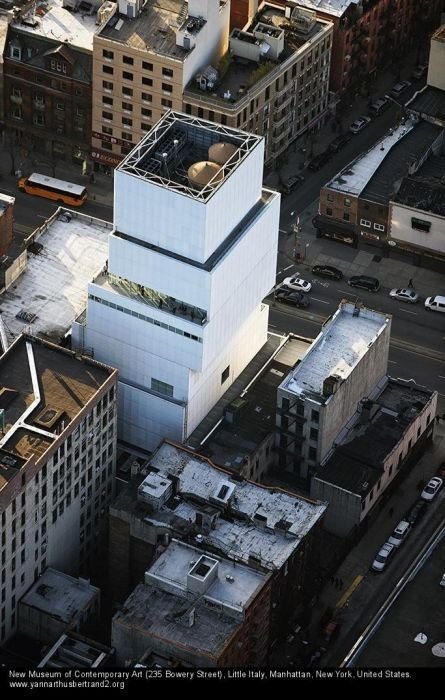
[(376, 258)]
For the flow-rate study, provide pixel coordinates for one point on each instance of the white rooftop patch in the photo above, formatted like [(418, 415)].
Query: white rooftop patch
[(231, 584), (272, 522), (53, 288), (52, 21), (337, 349), (355, 176), (333, 7)]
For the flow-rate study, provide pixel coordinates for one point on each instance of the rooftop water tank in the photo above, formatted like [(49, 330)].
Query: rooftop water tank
[(200, 174), (221, 152)]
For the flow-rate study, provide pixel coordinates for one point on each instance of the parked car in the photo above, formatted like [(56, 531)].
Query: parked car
[(400, 533), (436, 303), (416, 513), (382, 557), (370, 283), (292, 183), (318, 161), (327, 271), (359, 124), (339, 142), (285, 296), (420, 71), (432, 488), (379, 106), (400, 87), (442, 581), (404, 294), (297, 284)]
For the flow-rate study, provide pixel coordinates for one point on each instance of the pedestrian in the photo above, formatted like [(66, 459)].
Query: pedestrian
[(410, 283)]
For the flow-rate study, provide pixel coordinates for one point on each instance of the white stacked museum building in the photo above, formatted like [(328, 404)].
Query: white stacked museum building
[(192, 253)]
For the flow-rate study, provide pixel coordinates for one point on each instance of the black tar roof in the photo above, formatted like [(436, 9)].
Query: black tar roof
[(357, 465), (426, 189), (384, 183), (429, 102)]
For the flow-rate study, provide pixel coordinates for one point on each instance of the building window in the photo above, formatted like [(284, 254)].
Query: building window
[(166, 103), (225, 374), (108, 116), (313, 454), (60, 106), (145, 127), (330, 197), (107, 101), (161, 387), (126, 75), (126, 136), (146, 97), (16, 52), (329, 211), (379, 227), (167, 72), (147, 81), (128, 60), (420, 225), (314, 434), (127, 122), (365, 222), (346, 216), (347, 202), (108, 69), (167, 88), (107, 85), (315, 416), (38, 120), (17, 113), (16, 92), (127, 91), (127, 107), (146, 112), (147, 66), (109, 55), (300, 409)]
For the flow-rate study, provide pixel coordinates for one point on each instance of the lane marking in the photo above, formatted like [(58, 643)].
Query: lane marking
[(287, 268), (283, 230), (393, 362), (322, 301), (440, 376), (347, 594), (413, 313), (352, 294)]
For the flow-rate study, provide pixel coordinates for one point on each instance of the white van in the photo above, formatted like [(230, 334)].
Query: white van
[(436, 303), (399, 534)]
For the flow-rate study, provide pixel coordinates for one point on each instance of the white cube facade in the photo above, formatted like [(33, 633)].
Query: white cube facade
[(178, 310)]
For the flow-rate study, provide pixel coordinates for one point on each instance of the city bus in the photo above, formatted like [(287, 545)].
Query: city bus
[(51, 188)]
